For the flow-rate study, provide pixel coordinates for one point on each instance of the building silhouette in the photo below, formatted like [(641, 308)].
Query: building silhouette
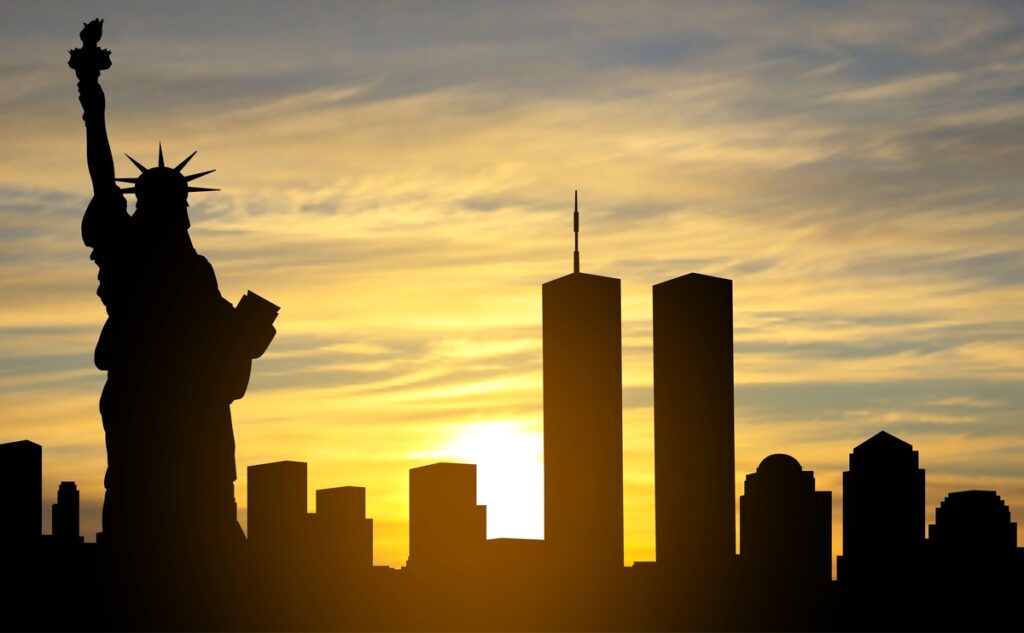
[(583, 512), (447, 529), (277, 507), (973, 567), (785, 525), (21, 493), (975, 524), (883, 513), (343, 534), (694, 462), (65, 514)]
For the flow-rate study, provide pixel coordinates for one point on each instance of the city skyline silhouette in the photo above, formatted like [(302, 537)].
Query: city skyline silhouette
[(859, 302), (314, 570), (596, 366)]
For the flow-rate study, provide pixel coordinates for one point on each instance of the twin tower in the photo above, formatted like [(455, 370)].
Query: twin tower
[(694, 459)]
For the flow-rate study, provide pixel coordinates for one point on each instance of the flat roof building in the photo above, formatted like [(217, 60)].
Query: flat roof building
[(21, 492), (447, 529), (277, 506), (694, 455), (342, 531), (583, 512)]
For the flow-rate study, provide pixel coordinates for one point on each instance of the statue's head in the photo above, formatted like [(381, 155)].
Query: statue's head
[(161, 193)]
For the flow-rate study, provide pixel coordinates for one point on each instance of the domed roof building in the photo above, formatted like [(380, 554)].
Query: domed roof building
[(974, 522), (785, 524)]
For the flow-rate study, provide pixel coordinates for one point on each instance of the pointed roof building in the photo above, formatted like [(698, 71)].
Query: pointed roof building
[(883, 512)]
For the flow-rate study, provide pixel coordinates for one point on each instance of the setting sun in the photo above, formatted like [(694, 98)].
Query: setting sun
[(510, 473)]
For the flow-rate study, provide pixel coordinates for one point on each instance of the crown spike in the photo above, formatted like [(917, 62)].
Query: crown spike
[(192, 177), (160, 155), (184, 162), (126, 180), (139, 165), (202, 189), (128, 190)]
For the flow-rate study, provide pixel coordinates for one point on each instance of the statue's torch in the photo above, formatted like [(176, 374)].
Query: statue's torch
[(89, 60)]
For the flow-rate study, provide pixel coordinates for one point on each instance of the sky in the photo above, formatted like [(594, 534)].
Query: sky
[(398, 176)]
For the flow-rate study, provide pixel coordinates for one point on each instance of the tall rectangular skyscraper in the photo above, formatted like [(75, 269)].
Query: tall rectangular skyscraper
[(694, 455), (583, 421), (21, 493)]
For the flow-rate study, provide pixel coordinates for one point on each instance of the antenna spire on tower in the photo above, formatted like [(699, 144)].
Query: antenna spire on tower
[(576, 231)]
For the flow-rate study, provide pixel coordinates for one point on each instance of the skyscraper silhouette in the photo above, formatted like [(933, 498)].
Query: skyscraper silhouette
[(277, 507), (694, 462), (883, 513), (973, 566), (583, 522), (65, 517), (21, 493), (974, 523), (447, 529), (343, 533), (785, 524)]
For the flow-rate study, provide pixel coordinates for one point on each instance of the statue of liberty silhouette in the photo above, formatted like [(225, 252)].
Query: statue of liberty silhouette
[(176, 354)]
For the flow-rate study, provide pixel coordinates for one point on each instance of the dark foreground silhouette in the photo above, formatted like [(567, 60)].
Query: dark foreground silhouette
[(314, 571), (176, 355), (172, 557)]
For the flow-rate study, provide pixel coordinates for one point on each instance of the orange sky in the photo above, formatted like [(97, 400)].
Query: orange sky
[(400, 182)]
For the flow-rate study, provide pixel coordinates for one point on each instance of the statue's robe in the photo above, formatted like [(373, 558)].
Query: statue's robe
[(174, 363)]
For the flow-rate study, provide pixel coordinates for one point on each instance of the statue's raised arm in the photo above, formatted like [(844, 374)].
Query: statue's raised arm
[(88, 61)]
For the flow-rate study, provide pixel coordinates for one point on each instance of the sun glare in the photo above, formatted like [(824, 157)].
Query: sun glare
[(510, 474)]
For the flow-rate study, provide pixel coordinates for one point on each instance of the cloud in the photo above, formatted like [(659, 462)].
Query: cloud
[(901, 88)]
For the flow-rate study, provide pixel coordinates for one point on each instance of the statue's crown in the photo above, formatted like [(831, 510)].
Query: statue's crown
[(163, 180)]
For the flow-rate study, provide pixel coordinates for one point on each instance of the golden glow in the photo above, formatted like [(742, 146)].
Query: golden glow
[(404, 200), (510, 473)]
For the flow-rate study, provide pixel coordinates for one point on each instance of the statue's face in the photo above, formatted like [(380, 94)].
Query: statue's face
[(160, 216), (162, 206)]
